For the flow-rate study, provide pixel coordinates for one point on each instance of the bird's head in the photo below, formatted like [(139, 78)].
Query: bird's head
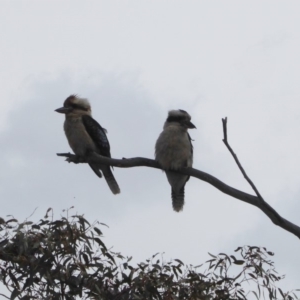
[(75, 105), (179, 117)]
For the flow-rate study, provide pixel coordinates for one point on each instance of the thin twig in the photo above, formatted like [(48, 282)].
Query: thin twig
[(262, 203), (32, 213), (225, 140)]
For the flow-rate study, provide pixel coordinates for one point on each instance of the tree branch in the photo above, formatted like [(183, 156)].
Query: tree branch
[(225, 140), (277, 219), (257, 200)]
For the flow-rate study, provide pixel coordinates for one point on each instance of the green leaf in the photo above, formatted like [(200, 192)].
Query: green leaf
[(179, 261), (233, 257), (86, 259), (103, 224), (280, 291), (14, 279), (239, 262), (46, 215), (28, 223), (11, 220), (110, 256), (175, 272), (252, 275), (212, 255), (237, 249), (255, 295), (100, 243), (98, 230)]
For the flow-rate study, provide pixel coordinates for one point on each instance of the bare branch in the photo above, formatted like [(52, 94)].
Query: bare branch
[(146, 162), (224, 121), (262, 204)]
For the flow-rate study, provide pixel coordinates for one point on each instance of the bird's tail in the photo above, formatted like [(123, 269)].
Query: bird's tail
[(110, 179), (178, 199), (96, 170), (177, 182)]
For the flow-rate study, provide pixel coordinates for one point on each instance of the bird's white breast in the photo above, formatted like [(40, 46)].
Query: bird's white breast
[(78, 138), (173, 148)]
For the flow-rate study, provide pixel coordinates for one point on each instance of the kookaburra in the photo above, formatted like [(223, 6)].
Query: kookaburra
[(86, 135), (174, 150)]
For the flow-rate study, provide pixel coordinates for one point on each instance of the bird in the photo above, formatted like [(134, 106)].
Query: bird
[(86, 135), (173, 151)]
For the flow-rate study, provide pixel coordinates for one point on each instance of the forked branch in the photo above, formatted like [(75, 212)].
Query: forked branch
[(262, 204), (225, 140)]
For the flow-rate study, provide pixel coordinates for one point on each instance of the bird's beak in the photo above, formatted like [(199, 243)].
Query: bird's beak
[(63, 110), (191, 125)]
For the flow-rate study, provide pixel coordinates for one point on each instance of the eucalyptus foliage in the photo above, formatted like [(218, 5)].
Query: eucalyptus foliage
[(67, 259)]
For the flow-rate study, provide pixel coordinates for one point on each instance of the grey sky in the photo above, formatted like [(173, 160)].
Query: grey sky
[(134, 61)]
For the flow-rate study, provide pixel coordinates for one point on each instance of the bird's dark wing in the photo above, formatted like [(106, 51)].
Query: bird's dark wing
[(97, 133), (190, 139), (190, 143)]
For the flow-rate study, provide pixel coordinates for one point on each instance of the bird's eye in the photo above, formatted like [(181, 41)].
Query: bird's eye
[(178, 119)]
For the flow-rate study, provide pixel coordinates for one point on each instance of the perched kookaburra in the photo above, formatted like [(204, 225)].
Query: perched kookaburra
[(174, 150), (86, 135)]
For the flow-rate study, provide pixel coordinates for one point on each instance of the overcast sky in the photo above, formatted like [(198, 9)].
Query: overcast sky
[(134, 61)]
